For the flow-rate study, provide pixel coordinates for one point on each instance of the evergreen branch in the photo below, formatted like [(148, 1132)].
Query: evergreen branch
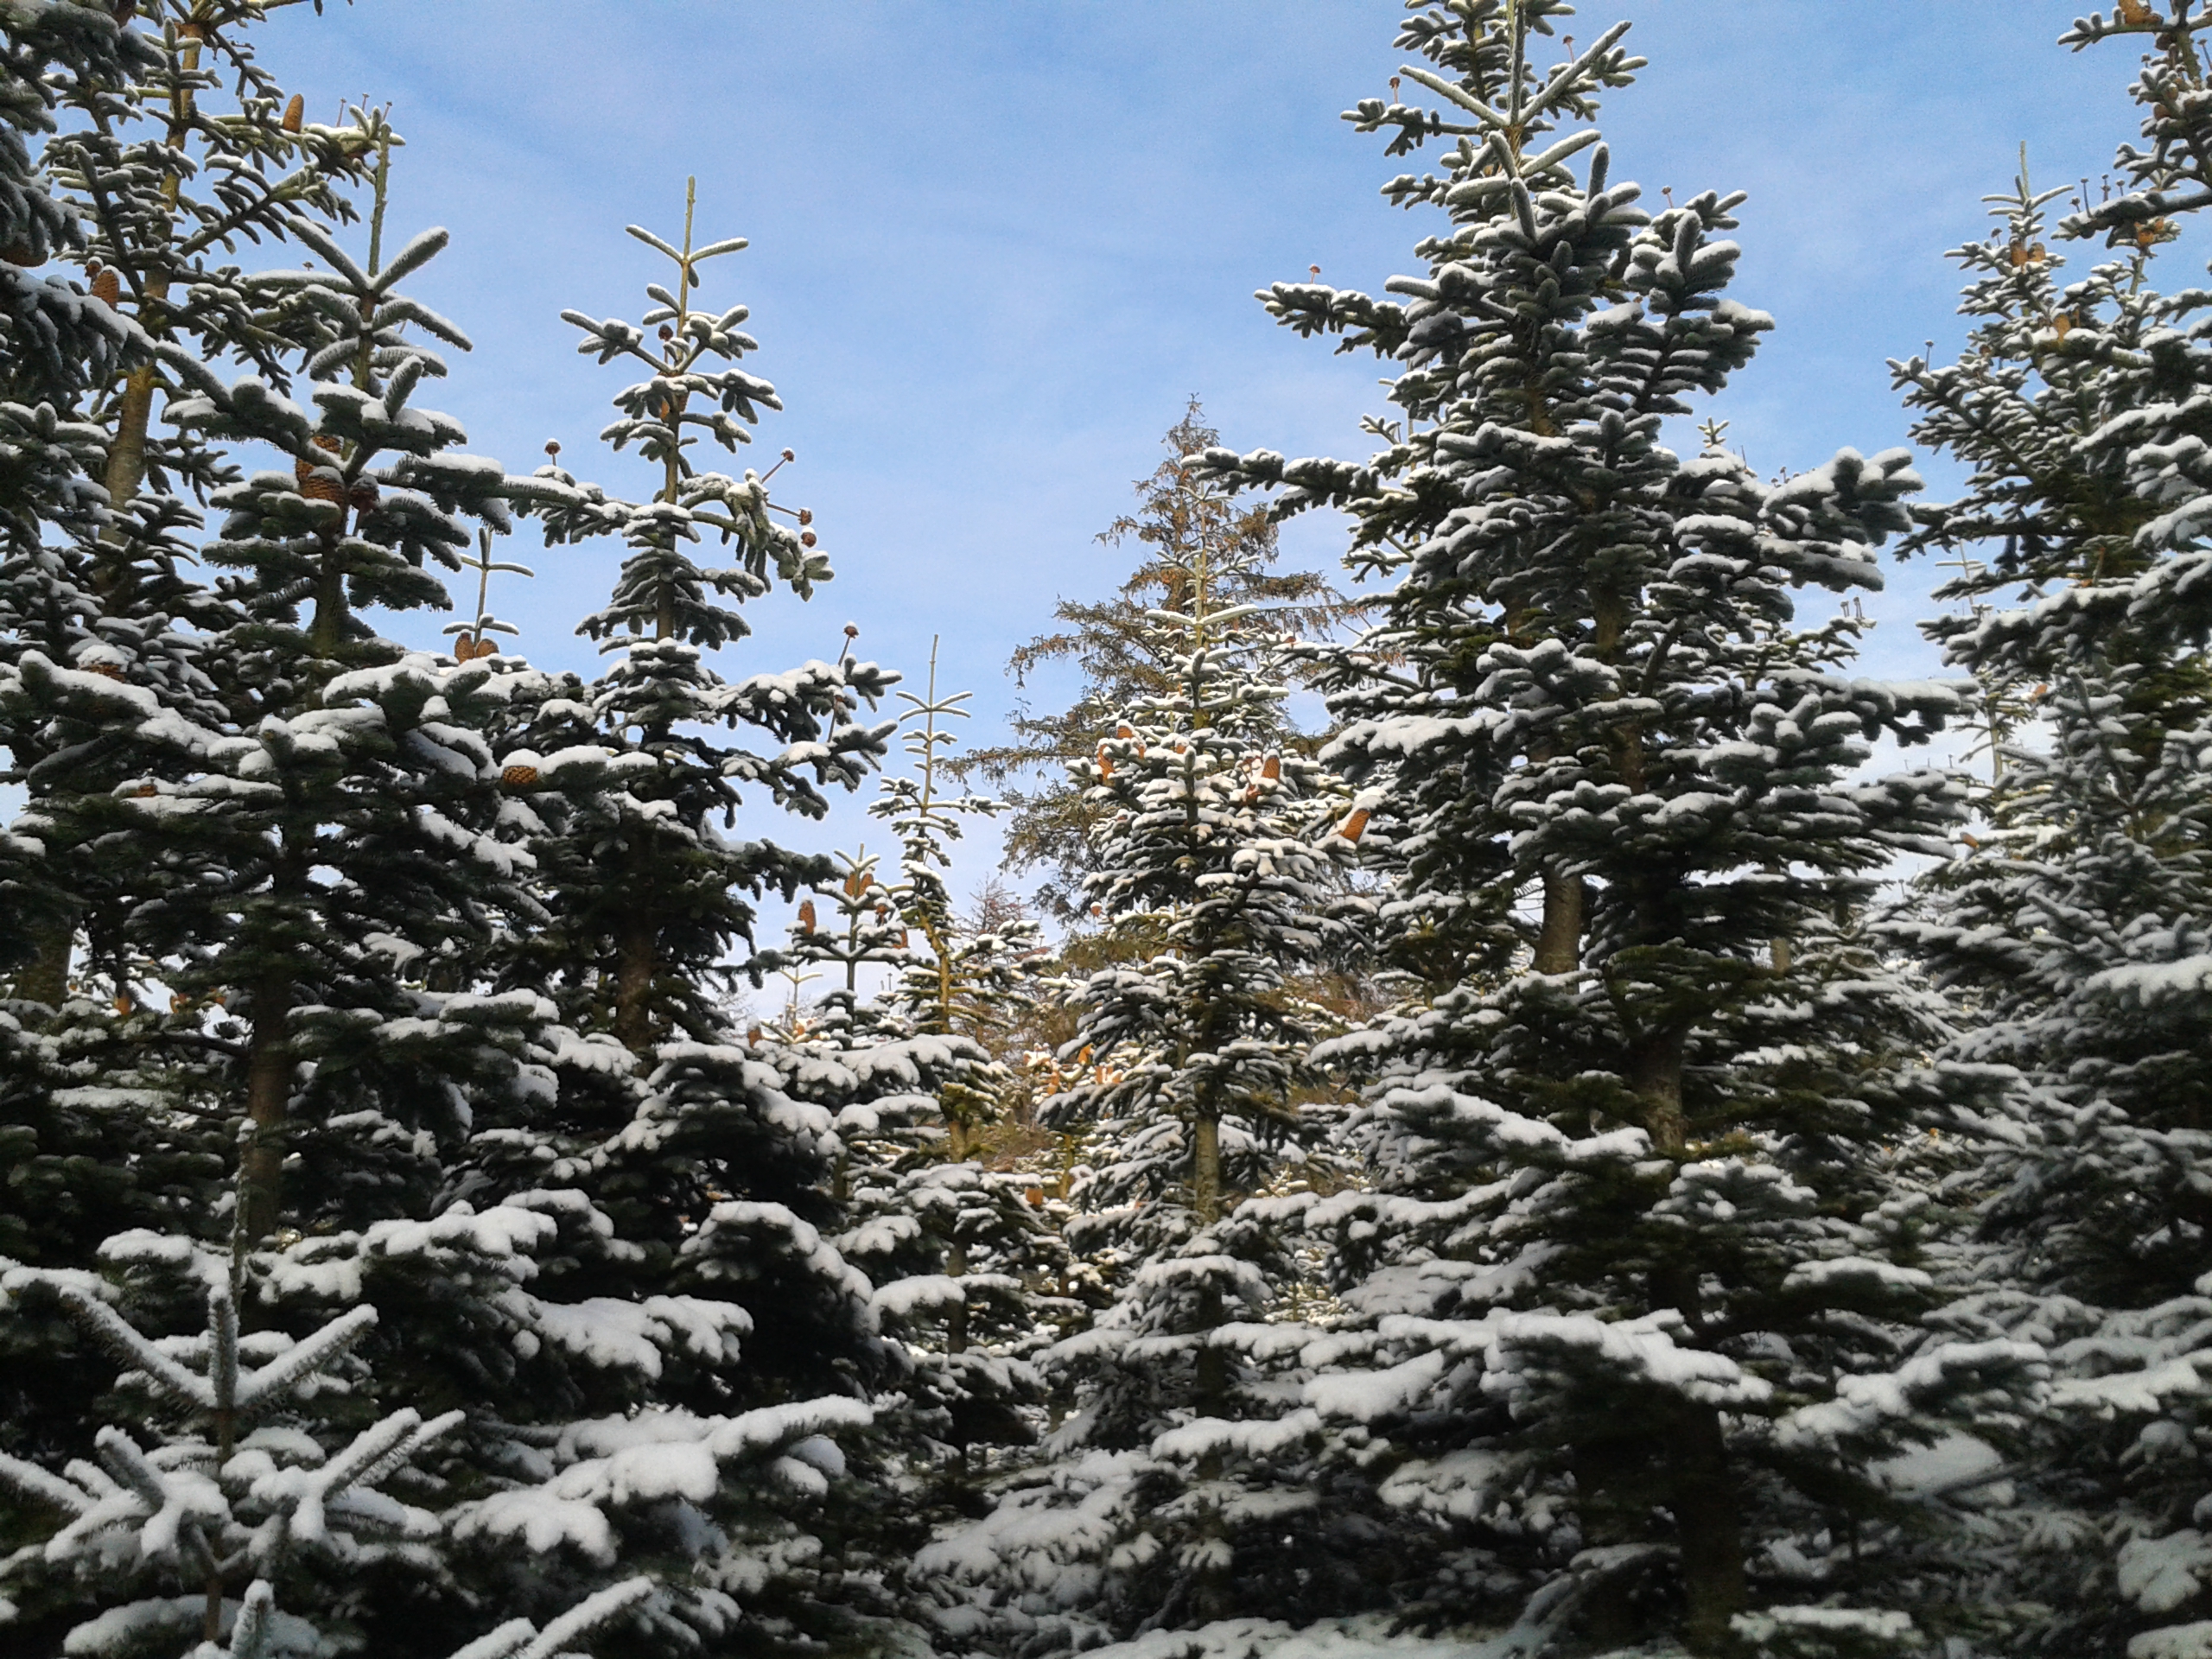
[(122, 1339)]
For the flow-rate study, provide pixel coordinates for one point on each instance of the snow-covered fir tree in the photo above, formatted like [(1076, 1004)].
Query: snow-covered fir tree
[(251, 1486), (657, 897), (330, 865), (959, 1258), (108, 658), (164, 172), (706, 1161), (955, 976), (1112, 643), (1637, 1313), (411, 1244), (1170, 1492), (2076, 924)]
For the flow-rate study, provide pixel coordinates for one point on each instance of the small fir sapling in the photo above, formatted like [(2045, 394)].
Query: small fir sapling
[(235, 1482), (161, 171)]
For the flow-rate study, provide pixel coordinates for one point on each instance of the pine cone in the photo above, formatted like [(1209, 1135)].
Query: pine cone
[(363, 496), (295, 113), (464, 646), (107, 286), (1355, 826), (105, 670), (321, 485), (518, 777), (806, 916), (304, 470), (1272, 771)]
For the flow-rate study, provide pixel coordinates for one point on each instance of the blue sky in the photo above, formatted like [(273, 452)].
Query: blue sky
[(995, 245)]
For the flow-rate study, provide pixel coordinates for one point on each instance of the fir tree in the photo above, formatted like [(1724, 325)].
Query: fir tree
[(1170, 1493), (956, 977), (1637, 1305), (953, 1249), (159, 186), (109, 665), (247, 1488), (1113, 644), (2077, 925), (695, 1165), (651, 897)]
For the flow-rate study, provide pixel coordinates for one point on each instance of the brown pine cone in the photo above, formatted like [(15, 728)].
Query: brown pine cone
[(107, 286), (295, 113), (518, 777)]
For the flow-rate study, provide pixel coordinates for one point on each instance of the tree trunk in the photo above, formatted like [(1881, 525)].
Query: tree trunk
[(1205, 1200), (1710, 1533), (268, 1100), (1608, 1472), (126, 451), (46, 977), (1558, 943), (1701, 1489), (633, 982), (1206, 1168), (955, 1321), (1656, 1074), (329, 633)]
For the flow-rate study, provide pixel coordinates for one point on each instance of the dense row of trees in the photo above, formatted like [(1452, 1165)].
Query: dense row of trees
[(1517, 1172)]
